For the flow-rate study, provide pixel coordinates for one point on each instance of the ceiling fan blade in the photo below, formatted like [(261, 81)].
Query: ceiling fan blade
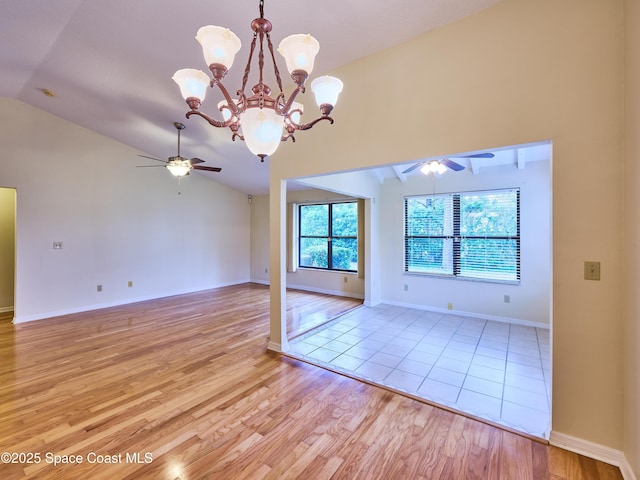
[(153, 158), (195, 160), (412, 168), (208, 169), (476, 155), (456, 167)]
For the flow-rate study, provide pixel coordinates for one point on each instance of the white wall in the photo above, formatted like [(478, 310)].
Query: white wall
[(530, 300), (7, 247), (118, 223)]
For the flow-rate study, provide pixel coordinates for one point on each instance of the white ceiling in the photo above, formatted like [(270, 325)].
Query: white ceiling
[(110, 62), (509, 157)]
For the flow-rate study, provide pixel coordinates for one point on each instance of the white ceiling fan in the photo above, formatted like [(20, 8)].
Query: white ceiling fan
[(178, 165), (442, 165)]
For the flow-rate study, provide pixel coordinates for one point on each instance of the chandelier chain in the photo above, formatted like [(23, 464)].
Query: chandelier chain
[(261, 58), (247, 69)]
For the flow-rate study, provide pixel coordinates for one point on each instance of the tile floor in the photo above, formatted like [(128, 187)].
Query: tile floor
[(494, 370)]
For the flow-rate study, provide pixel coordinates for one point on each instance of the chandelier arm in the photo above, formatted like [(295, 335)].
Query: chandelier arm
[(307, 126), (230, 103), (212, 121), (287, 106)]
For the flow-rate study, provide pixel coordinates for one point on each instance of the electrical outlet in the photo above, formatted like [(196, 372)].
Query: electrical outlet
[(266, 270), (99, 288), (406, 287), (592, 270), (345, 279), (57, 245), (449, 306), (130, 283), (507, 299)]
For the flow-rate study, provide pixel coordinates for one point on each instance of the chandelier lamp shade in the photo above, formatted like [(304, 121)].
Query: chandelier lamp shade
[(258, 118)]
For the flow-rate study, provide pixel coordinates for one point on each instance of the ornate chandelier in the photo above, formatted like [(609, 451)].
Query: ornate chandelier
[(259, 119)]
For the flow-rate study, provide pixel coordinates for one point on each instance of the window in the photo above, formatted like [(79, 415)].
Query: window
[(469, 235), (328, 236)]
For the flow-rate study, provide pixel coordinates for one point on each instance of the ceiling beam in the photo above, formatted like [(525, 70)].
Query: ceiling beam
[(398, 171), (520, 158), (475, 165)]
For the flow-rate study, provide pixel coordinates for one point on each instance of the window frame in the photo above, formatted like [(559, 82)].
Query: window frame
[(330, 237), (457, 238)]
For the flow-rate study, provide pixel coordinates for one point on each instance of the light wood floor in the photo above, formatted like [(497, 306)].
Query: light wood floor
[(306, 310), (186, 383)]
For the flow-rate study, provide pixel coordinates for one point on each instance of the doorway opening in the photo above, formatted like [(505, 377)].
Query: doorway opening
[(7, 253), (478, 340)]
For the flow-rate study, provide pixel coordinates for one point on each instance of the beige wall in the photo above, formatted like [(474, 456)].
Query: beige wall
[(7, 247), (632, 235), (521, 71)]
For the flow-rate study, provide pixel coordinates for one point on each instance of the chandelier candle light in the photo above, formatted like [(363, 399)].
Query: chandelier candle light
[(260, 118)]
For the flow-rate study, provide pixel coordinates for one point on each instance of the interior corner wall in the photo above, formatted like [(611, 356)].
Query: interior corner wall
[(529, 300), (117, 223), (521, 71), (7, 247), (632, 235), (260, 239)]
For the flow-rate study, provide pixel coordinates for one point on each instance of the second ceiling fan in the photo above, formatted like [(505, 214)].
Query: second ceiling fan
[(441, 166), (180, 166)]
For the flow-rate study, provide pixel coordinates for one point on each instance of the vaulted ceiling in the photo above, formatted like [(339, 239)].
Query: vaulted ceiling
[(110, 63)]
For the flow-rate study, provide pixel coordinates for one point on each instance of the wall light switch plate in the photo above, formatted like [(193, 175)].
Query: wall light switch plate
[(591, 270)]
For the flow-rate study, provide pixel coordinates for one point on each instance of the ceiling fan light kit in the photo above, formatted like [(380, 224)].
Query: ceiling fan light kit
[(442, 165), (434, 166), (259, 119), (179, 168)]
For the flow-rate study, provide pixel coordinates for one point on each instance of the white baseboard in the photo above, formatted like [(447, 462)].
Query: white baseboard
[(495, 318), (115, 303), (261, 282), (593, 450), (274, 347), (6, 309)]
